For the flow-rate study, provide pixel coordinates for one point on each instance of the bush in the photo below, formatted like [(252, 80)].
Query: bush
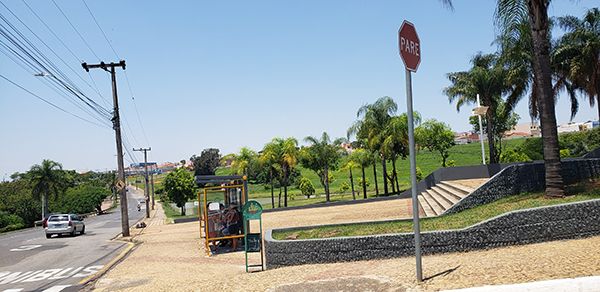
[(9, 222), (577, 149), (360, 182), (85, 199), (306, 187), (419, 173), (564, 153), (510, 155)]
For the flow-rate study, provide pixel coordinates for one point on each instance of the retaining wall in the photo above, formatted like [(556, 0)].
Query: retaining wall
[(565, 221)]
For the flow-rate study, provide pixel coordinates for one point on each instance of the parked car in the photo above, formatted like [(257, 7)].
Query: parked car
[(46, 218), (64, 223)]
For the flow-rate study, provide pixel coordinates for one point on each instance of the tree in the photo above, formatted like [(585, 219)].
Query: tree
[(581, 44), (348, 165), (284, 153), (488, 80), (270, 158), (396, 143), (371, 128), (502, 123), (364, 159), (436, 136), (508, 13), (47, 179), (207, 163), (241, 161), (306, 187), (321, 157), (179, 187)]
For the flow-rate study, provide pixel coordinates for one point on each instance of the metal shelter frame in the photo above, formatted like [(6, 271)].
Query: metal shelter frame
[(215, 179)]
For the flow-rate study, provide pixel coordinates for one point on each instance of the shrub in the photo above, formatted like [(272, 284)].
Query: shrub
[(306, 187), (510, 155), (564, 153), (9, 222)]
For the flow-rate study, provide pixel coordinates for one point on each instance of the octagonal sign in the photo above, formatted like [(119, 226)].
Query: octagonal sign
[(410, 46)]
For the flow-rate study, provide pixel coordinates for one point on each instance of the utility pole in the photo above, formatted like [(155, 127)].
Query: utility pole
[(152, 181), (147, 190), (117, 127)]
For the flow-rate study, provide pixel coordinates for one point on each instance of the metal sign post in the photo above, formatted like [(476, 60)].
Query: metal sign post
[(410, 51)]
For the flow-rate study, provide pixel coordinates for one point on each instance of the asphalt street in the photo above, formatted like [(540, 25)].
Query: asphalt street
[(31, 262)]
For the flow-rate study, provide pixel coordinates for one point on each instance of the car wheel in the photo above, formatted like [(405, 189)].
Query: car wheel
[(73, 232), (82, 231), (48, 235)]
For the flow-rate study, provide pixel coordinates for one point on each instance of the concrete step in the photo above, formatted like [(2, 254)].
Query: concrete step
[(442, 196), (461, 189), (433, 203), (425, 206), (439, 196)]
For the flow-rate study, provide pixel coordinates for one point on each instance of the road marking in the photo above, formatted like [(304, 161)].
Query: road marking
[(25, 247), (49, 274), (108, 265), (57, 288)]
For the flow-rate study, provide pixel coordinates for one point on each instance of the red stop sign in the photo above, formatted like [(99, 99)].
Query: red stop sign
[(410, 46)]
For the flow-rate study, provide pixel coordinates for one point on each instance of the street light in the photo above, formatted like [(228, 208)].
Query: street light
[(479, 111)]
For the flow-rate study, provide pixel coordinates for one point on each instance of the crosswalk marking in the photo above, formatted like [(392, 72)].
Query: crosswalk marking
[(57, 288)]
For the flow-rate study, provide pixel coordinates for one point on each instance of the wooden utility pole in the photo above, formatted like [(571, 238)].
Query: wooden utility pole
[(117, 127), (147, 190)]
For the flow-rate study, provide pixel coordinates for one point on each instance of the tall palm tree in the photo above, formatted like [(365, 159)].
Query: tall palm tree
[(47, 179), (396, 142), (321, 157), (371, 128), (581, 45), (289, 159), (349, 164), (269, 157), (364, 159), (486, 79), (241, 161), (508, 13)]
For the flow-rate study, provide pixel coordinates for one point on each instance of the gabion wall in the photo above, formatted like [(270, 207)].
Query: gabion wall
[(567, 221)]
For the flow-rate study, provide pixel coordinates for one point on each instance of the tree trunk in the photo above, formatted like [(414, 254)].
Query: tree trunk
[(538, 20), (352, 184), (272, 197), (375, 179), (364, 183), (326, 183), (396, 177), (385, 176), (279, 202), (284, 185), (490, 136)]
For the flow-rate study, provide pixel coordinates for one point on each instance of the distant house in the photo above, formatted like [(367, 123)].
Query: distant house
[(348, 147), (166, 167)]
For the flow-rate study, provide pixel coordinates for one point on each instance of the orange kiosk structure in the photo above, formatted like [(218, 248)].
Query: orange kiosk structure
[(230, 196)]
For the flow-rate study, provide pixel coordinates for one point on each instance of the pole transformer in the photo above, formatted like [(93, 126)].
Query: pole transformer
[(117, 127), (147, 190)]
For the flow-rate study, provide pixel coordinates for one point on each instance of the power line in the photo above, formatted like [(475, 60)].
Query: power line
[(53, 105), (113, 49), (69, 21)]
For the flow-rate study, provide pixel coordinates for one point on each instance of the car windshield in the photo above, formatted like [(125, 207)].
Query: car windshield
[(58, 218)]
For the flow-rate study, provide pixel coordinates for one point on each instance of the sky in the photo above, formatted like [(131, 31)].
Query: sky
[(227, 74)]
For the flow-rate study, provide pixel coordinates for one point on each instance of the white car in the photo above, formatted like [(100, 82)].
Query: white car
[(64, 223)]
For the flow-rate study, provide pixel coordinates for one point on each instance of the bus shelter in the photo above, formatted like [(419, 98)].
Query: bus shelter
[(221, 203)]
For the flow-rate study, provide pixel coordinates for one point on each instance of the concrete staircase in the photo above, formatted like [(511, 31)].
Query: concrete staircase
[(442, 196)]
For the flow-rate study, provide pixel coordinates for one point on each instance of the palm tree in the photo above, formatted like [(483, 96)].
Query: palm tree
[(396, 142), (289, 159), (486, 79), (269, 157), (241, 160), (508, 13), (364, 159), (349, 164), (321, 156), (371, 128), (47, 179), (581, 45), (284, 153)]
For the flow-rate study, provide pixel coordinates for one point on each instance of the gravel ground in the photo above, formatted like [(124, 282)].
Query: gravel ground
[(172, 257)]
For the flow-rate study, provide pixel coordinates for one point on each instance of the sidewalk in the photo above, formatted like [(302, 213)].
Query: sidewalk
[(172, 257)]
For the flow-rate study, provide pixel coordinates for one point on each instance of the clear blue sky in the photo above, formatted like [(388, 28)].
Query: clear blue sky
[(229, 74)]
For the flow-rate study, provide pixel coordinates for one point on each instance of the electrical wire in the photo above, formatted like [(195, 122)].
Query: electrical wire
[(48, 102)]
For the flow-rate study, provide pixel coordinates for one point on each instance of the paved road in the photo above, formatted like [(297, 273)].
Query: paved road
[(30, 262)]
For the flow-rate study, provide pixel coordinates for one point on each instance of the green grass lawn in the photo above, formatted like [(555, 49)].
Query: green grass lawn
[(579, 192)]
